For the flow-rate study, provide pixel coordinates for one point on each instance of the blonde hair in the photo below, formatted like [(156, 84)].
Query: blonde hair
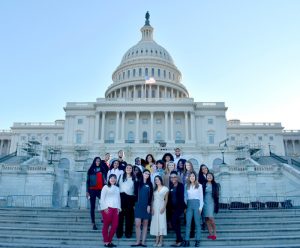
[(167, 166)]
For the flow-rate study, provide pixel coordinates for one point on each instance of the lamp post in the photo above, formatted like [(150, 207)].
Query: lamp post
[(223, 148), (51, 153)]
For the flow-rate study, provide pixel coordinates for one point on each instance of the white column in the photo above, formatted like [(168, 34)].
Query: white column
[(102, 126), (293, 143), (134, 92), (127, 92), (172, 92), (157, 91), (285, 148), (165, 91), (137, 138), (150, 91), (151, 127), (117, 127), (123, 127), (166, 126), (97, 125), (186, 125), (193, 127), (172, 127)]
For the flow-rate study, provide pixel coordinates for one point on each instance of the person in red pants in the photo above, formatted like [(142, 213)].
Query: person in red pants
[(110, 205)]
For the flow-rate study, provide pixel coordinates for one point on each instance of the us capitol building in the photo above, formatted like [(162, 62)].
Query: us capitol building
[(147, 109)]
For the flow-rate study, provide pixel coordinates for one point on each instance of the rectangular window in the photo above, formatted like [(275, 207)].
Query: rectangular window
[(165, 74), (178, 121), (140, 72), (78, 138), (131, 121), (158, 72), (211, 139), (232, 138), (128, 74), (271, 138), (80, 121), (146, 72), (158, 121), (210, 121), (60, 138), (152, 72), (260, 138)]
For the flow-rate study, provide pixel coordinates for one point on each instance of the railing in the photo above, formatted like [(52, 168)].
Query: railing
[(226, 203), (295, 162), (280, 159), (262, 202), (8, 156)]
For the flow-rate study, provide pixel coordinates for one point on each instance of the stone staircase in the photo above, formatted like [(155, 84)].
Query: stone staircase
[(66, 228)]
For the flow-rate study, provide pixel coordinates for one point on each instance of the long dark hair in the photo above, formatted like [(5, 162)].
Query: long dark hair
[(110, 176), (150, 155), (93, 165), (183, 163), (215, 191), (139, 174), (161, 181), (124, 176), (201, 178), (141, 181)]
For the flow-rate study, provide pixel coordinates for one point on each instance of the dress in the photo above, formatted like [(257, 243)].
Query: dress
[(159, 221), (140, 209), (208, 202)]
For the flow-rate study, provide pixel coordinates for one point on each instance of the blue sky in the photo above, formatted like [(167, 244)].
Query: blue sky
[(245, 53)]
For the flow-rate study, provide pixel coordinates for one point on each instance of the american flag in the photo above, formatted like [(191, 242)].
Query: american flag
[(150, 80)]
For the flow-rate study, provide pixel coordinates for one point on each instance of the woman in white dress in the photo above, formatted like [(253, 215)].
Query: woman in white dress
[(158, 226)]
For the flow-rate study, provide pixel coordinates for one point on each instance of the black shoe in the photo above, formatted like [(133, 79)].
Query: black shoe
[(136, 245), (197, 244), (95, 227), (112, 245), (106, 245), (203, 227), (128, 236), (186, 244)]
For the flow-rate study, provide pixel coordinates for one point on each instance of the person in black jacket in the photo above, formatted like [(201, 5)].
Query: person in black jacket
[(177, 205), (211, 204), (202, 180), (94, 185)]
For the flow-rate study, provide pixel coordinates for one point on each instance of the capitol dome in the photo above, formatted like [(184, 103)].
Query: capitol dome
[(147, 70)]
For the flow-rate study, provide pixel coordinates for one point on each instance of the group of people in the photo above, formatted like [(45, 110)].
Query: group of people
[(155, 191)]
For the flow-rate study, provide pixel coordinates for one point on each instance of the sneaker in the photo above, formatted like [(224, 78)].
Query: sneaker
[(214, 237), (197, 244)]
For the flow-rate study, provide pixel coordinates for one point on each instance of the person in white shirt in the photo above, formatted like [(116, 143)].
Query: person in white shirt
[(115, 170), (126, 184), (177, 155), (193, 197), (110, 205)]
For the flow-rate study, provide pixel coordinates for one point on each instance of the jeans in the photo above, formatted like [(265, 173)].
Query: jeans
[(192, 212)]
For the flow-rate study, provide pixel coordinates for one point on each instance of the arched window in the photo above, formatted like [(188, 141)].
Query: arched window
[(140, 72), (152, 72), (146, 72)]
